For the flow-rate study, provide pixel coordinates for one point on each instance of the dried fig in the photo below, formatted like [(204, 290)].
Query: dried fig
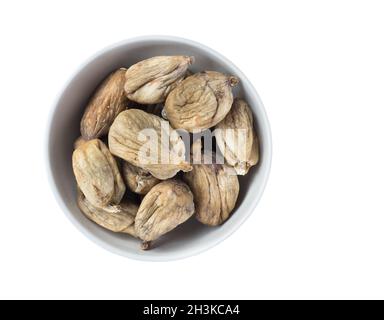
[(163, 154), (106, 103), (215, 188), (200, 101), (165, 206), (236, 138), (149, 81), (138, 180), (97, 174), (117, 218)]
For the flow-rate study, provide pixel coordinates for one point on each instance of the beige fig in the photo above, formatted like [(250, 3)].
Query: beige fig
[(149, 81), (97, 174), (138, 180), (200, 101), (236, 138), (166, 205), (148, 142), (106, 103), (117, 218), (215, 188)]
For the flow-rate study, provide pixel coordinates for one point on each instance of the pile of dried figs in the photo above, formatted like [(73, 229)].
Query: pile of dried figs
[(140, 163)]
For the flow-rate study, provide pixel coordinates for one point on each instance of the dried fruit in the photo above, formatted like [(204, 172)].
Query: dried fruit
[(200, 101), (149, 81), (215, 188), (97, 174), (138, 180), (117, 218), (236, 138), (137, 121), (167, 205), (107, 102), (163, 154)]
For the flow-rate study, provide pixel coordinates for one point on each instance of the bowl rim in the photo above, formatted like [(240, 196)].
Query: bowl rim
[(169, 256)]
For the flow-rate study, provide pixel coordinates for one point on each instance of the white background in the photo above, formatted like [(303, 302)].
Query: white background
[(318, 231)]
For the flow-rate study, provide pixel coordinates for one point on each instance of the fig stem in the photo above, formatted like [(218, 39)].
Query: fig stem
[(233, 81), (145, 245)]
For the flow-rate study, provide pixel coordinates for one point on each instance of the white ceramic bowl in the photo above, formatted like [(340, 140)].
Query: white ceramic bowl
[(189, 238)]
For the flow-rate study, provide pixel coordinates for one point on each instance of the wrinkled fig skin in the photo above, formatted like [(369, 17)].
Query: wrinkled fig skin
[(200, 101), (137, 179), (124, 142), (240, 150), (117, 218), (149, 81), (215, 188), (97, 174), (166, 206), (107, 102)]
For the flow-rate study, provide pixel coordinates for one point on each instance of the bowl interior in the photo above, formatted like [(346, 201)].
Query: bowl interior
[(191, 237)]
